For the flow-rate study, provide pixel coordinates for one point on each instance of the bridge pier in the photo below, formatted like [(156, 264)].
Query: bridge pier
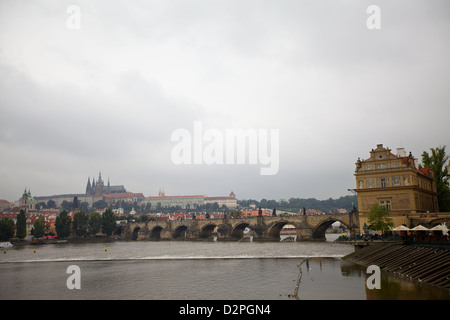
[(304, 234)]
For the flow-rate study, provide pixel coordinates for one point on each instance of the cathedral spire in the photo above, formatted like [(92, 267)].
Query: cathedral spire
[(88, 186)]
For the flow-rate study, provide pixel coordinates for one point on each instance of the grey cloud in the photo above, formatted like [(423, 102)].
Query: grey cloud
[(107, 97)]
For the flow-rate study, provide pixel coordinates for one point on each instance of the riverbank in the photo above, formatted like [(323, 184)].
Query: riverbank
[(63, 241), (425, 264)]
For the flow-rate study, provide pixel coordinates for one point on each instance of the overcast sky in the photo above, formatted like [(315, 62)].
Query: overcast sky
[(108, 96)]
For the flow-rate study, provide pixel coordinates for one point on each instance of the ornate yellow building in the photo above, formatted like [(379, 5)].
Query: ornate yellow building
[(394, 181)]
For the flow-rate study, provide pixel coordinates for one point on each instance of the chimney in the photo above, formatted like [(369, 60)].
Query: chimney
[(401, 152)]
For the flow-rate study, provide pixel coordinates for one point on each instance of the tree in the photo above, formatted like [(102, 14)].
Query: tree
[(51, 204), (21, 231), (95, 222), (39, 227), (67, 205), (41, 205), (236, 213), (62, 224), (100, 204), (108, 222), (81, 224), (6, 229), (84, 206), (379, 218), (437, 161)]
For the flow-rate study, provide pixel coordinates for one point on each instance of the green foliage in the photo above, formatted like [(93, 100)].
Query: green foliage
[(6, 229), (95, 222), (297, 204), (144, 218), (62, 224), (39, 227), (81, 224), (108, 222), (379, 218), (21, 226), (437, 161), (51, 204), (236, 213), (100, 204)]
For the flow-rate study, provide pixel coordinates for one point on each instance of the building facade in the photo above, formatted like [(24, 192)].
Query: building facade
[(190, 202), (395, 181), (230, 202)]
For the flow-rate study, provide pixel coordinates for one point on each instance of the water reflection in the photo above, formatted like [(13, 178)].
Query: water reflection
[(316, 279), (394, 287)]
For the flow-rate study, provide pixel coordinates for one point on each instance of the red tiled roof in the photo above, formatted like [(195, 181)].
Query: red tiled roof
[(218, 198), (425, 172), (117, 195), (167, 197), (9, 215), (138, 195)]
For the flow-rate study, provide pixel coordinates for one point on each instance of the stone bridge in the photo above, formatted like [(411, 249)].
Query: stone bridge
[(308, 227)]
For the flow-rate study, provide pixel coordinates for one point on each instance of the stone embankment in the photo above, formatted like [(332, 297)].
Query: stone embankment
[(424, 264)]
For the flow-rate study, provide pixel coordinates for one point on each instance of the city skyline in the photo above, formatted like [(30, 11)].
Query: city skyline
[(105, 87)]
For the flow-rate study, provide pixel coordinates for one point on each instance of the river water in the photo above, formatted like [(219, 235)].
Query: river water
[(196, 271)]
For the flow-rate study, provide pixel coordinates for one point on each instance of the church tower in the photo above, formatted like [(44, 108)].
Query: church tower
[(88, 186), (99, 185), (27, 201)]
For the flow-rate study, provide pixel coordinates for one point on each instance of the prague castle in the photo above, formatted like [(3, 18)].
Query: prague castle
[(395, 181), (97, 190), (94, 192)]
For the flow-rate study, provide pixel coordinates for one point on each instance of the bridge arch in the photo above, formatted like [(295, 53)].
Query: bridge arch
[(319, 231), (155, 233), (275, 229), (207, 231), (238, 231), (180, 233), (135, 233)]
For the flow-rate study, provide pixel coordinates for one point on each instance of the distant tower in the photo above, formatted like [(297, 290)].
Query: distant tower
[(75, 203), (99, 185), (88, 186), (93, 186), (27, 202), (161, 192)]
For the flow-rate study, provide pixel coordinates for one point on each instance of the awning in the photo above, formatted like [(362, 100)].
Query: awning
[(400, 228), (420, 228), (439, 227)]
